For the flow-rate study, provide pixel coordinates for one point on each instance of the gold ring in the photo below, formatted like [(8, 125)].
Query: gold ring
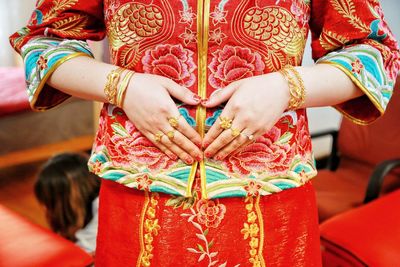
[(171, 134), (173, 121), (225, 123), (235, 132), (158, 136)]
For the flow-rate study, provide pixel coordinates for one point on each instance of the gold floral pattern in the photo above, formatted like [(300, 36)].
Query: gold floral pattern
[(149, 229), (253, 231)]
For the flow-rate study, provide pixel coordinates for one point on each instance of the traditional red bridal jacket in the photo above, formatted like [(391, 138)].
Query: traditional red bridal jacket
[(205, 45)]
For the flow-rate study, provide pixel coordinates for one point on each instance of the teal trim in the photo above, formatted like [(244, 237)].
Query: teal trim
[(188, 118), (231, 193), (161, 189), (213, 176), (114, 176), (182, 175), (211, 120), (283, 185)]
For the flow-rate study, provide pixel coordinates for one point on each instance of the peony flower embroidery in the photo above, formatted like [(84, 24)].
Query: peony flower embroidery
[(171, 61), (143, 182), (265, 154), (357, 66), (253, 189), (42, 63), (134, 147), (233, 63), (210, 213), (302, 137)]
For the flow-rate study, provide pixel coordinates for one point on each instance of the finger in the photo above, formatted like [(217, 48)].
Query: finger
[(181, 93), (220, 96), (216, 128), (186, 145), (221, 141), (160, 146), (176, 150), (187, 130), (241, 141)]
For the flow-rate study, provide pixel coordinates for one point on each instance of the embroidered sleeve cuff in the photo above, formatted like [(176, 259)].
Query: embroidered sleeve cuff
[(364, 65), (41, 57)]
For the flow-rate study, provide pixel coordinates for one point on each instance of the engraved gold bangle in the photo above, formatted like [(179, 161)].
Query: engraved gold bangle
[(110, 89), (296, 87), (122, 88)]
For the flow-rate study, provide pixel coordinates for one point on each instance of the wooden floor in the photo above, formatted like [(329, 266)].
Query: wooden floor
[(16, 192)]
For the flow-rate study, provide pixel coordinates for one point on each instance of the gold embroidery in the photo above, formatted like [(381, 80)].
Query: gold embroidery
[(253, 230), (72, 26), (331, 40), (136, 26), (347, 9), (59, 6), (149, 228), (275, 28)]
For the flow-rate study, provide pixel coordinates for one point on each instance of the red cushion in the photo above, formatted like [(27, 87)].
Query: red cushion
[(25, 244), (368, 234), (13, 96)]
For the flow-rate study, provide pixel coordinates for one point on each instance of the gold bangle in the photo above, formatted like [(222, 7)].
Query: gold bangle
[(110, 89), (122, 88), (296, 87)]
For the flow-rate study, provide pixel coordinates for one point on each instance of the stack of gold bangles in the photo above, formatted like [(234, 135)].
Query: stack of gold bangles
[(296, 87), (114, 89)]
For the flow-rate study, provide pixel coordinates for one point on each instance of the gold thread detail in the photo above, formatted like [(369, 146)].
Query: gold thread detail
[(149, 228), (253, 230), (141, 228)]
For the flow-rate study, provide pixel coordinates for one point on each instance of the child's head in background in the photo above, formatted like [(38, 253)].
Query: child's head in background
[(67, 189)]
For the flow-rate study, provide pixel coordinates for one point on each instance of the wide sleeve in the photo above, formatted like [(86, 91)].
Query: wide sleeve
[(56, 32), (353, 36)]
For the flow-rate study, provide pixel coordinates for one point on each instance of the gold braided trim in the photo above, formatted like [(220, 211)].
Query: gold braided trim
[(149, 228), (253, 230), (296, 87)]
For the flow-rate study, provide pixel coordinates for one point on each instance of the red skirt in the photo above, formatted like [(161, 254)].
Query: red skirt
[(137, 228)]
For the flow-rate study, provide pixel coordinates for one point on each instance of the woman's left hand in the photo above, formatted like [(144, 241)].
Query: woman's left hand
[(254, 105)]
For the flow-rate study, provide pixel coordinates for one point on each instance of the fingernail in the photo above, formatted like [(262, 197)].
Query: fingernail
[(198, 143), (205, 145), (219, 157), (204, 101), (208, 154), (197, 98), (199, 158), (189, 160)]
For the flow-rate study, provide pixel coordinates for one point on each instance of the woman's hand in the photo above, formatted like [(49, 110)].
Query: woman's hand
[(254, 105), (148, 104)]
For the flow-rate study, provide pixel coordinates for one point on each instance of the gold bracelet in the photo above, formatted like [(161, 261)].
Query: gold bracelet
[(110, 89), (296, 87), (122, 88)]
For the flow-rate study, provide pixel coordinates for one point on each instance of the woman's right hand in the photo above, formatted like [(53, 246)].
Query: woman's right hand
[(149, 106)]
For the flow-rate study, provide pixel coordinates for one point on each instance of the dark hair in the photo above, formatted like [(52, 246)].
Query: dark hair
[(66, 188)]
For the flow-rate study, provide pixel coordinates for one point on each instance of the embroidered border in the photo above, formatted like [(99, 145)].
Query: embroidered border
[(253, 229), (149, 228)]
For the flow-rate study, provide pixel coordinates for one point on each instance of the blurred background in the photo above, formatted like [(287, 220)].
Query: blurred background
[(355, 168)]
